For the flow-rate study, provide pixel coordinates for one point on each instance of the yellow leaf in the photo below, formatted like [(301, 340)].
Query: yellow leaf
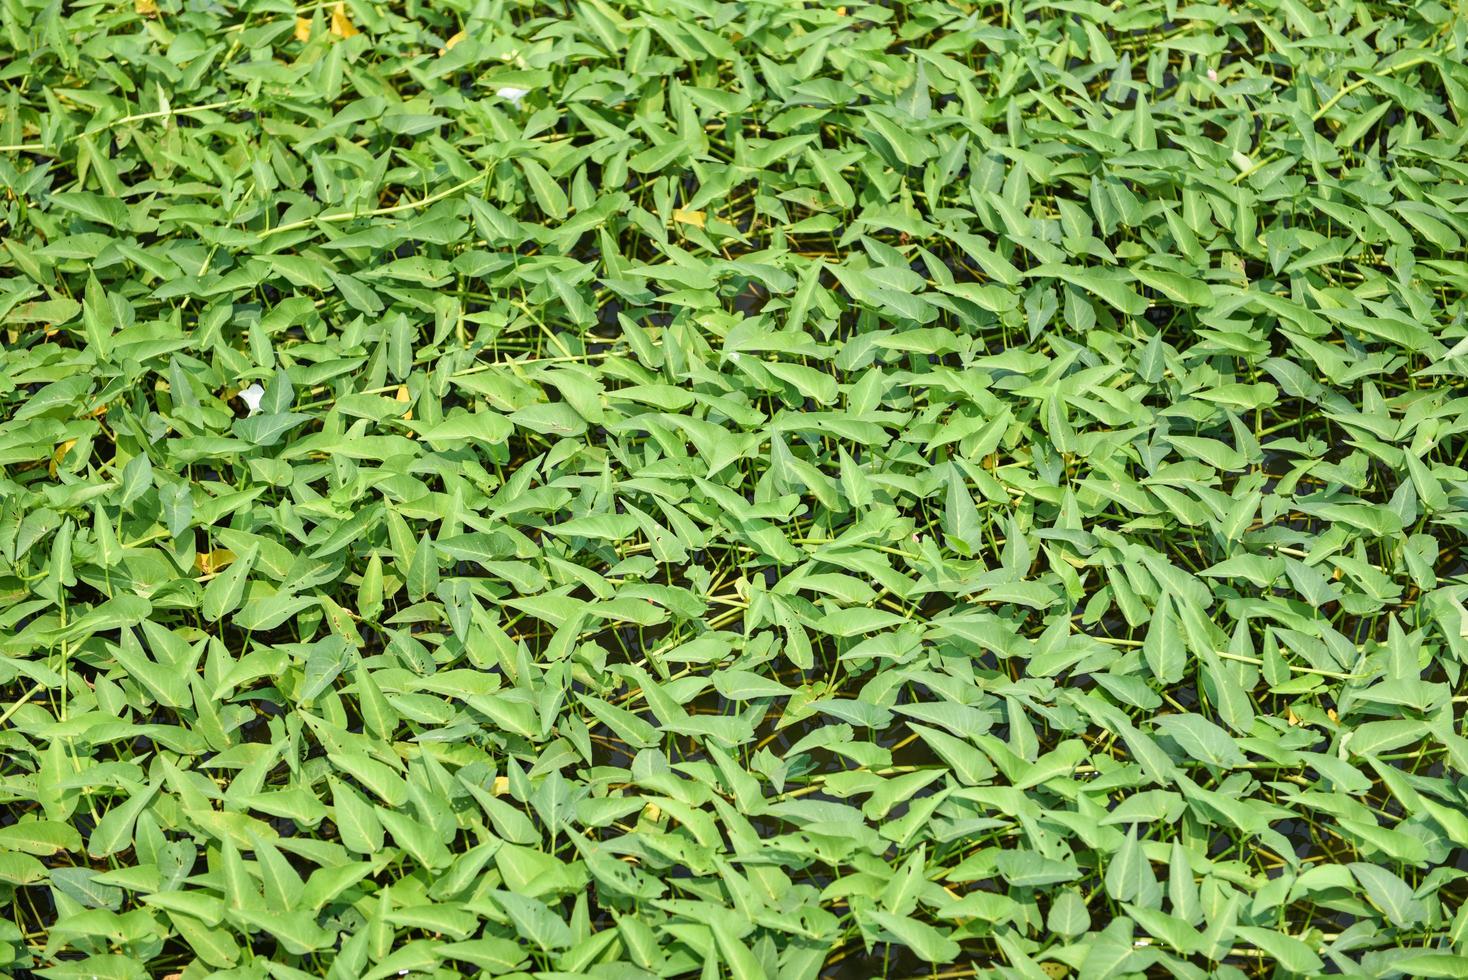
[(303, 29), (447, 45), (402, 396), (145, 8), (695, 218), (341, 25), (60, 454), (213, 561), (501, 785)]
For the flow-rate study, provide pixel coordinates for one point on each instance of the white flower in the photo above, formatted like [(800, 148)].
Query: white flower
[(251, 397), (1212, 75), (513, 94)]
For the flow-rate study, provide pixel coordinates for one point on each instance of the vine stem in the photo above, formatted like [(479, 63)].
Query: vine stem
[(134, 117), (375, 212), (1346, 90)]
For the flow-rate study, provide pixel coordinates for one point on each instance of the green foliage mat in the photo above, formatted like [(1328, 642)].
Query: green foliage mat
[(757, 489)]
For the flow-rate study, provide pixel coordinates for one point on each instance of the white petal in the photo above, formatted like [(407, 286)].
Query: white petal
[(251, 397), (513, 94)]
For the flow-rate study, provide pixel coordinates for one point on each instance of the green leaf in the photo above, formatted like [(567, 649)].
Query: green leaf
[(488, 428), (930, 945), (1129, 875)]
